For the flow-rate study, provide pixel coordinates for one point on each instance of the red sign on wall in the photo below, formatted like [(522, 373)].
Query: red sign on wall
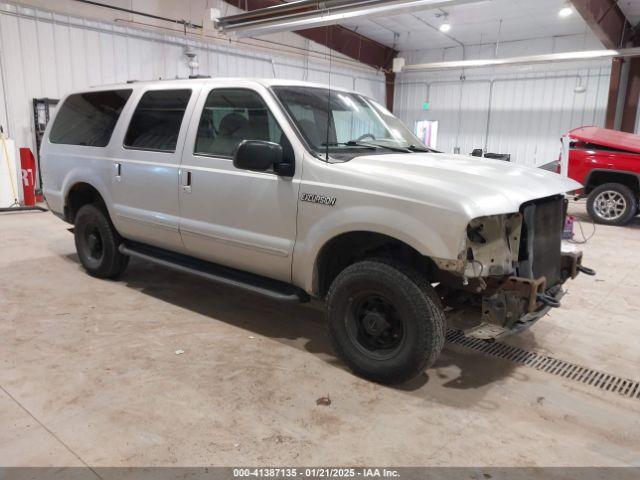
[(28, 173)]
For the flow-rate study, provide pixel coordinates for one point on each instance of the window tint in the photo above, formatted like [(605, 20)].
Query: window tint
[(231, 116), (88, 118), (155, 124)]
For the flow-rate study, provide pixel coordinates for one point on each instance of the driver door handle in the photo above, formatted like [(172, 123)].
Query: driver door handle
[(186, 181)]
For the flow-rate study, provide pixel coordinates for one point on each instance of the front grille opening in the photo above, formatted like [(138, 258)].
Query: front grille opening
[(541, 239)]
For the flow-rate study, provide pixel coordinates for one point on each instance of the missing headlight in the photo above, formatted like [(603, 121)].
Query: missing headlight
[(493, 245)]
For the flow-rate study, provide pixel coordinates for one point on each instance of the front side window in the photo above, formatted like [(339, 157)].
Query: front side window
[(89, 118), (156, 123), (231, 116), (342, 122)]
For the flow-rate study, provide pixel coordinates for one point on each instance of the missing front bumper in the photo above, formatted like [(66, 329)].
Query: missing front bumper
[(518, 303), (487, 330)]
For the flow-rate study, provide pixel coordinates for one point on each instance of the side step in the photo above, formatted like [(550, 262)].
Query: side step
[(267, 287)]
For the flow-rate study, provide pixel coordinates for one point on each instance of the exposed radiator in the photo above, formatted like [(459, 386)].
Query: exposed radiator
[(540, 251)]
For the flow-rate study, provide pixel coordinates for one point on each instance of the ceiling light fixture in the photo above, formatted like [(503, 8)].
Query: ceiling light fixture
[(565, 11), (446, 25), (525, 60), (290, 16)]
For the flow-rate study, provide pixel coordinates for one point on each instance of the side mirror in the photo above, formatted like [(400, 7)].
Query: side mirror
[(257, 155)]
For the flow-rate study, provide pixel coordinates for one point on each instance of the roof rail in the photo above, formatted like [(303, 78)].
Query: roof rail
[(190, 77)]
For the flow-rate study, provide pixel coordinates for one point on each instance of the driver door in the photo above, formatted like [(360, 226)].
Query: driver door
[(237, 218)]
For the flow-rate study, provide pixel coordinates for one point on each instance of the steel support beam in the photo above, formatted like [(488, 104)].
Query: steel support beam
[(614, 90), (390, 89), (632, 97), (342, 40), (611, 26), (606, 20)]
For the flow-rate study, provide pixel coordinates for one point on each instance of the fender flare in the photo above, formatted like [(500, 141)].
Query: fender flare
[(610, 170)]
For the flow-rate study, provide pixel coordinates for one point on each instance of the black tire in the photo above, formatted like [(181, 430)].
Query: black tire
[(385, 321), (97, 243), (599, 211)]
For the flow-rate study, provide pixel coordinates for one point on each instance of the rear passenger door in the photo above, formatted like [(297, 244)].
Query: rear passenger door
[(234, 217), (145, 173)]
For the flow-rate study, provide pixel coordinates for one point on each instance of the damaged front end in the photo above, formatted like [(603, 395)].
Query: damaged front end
[(511, 270)]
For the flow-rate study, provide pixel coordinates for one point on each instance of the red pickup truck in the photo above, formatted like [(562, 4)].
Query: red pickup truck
[(607, 163)]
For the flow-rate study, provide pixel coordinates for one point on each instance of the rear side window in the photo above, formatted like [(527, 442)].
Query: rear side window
[(156, 123), (89, 118)]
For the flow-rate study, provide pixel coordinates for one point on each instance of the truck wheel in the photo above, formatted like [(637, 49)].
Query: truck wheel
[(385, 321), (97, 243), (612, 204)]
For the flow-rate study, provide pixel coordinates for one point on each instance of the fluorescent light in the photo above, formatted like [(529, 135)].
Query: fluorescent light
[(445, 27), (332, 13), (530, 59), (565, 11)]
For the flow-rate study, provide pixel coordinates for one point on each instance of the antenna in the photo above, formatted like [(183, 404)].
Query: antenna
[(329, 96)]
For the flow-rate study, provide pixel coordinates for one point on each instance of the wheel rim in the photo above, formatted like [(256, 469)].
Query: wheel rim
[(94, 246), (610, 205), (374, 326)]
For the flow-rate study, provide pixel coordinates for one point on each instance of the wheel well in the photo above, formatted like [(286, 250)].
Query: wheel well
[(81, 194), (601, 177), (348, 248)]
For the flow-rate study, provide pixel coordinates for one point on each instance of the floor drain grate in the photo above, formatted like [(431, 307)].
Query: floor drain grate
[(588, 376)]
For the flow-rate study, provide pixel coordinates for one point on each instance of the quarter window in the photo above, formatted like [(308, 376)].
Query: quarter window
[(156, 123), (231, 116), (89, 118)]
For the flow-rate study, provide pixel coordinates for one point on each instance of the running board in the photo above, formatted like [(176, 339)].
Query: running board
[(267, 287), (28, 208)]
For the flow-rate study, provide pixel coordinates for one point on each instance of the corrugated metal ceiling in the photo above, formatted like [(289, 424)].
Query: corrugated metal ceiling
[(472, 24)]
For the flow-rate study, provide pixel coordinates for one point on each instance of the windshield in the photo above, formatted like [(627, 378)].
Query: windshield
[(353, 123)]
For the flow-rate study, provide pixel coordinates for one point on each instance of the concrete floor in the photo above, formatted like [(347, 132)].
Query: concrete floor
[(89, 374)]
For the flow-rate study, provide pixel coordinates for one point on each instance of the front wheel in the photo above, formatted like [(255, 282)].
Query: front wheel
[(97, 243), (612, 204), (385, 321)]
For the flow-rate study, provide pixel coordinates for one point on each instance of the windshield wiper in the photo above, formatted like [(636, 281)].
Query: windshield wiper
[(415, 148), (351, 143), (360, 143)]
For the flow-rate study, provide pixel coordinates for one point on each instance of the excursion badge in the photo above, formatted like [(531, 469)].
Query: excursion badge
[(320, 199)]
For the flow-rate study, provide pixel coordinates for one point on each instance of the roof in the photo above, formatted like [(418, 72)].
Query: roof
[(607, 138)]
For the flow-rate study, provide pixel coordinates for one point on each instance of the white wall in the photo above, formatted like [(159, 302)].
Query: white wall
[(518, 110), (46, 54)]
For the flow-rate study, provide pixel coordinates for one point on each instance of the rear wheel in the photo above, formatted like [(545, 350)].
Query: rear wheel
[(612, 204), (97, 243), (385, 321)]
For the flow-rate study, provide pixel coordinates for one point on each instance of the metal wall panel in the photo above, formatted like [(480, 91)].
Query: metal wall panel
[(45, 54), (523, 114)]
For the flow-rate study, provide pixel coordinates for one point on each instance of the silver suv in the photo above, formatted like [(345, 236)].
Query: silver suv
[(296, 191)]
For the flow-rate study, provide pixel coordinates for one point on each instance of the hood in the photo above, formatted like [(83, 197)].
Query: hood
[(627, 142), (480, 186)]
